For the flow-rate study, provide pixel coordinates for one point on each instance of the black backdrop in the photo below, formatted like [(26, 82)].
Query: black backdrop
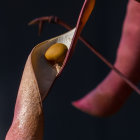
[(83, 73)]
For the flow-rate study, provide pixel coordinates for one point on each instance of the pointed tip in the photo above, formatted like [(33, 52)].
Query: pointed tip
[(93, 105), (34, 21), (31, 23), (74, 103), (81, 105)]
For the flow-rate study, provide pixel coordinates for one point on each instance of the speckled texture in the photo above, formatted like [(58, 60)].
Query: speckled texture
[(37, 79)]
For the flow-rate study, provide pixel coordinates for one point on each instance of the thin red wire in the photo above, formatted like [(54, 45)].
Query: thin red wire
[(56, 20)]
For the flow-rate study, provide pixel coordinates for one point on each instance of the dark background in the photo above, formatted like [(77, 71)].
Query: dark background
[(83, 73)]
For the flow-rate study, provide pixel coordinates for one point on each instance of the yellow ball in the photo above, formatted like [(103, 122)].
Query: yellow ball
[(56, 53)]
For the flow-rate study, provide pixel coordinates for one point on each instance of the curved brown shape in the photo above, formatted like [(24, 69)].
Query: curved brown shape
[(37, 79), (111, 94), (28, 117)]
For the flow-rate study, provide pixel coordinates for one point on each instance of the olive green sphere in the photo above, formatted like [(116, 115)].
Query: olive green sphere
[(56, 53)]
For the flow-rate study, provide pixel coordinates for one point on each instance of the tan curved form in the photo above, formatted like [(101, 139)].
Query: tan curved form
[(37, 79)]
